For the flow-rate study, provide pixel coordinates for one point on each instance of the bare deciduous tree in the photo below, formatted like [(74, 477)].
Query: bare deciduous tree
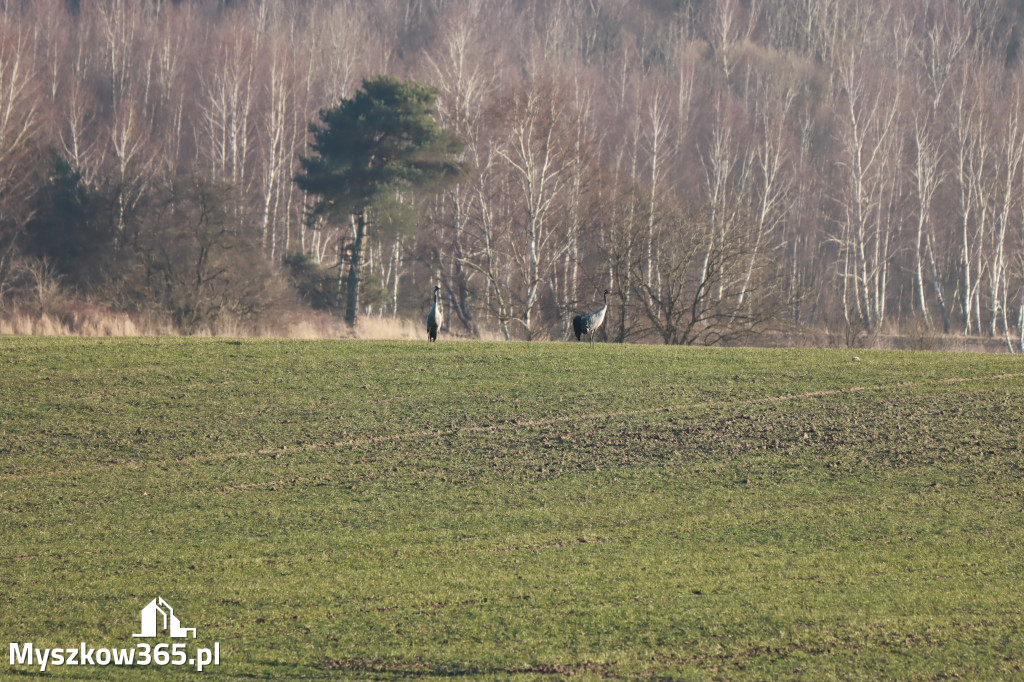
[(538, 157), (19, 118), (874, 146)]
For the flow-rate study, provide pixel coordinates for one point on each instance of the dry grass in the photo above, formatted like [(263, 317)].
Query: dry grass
[(388, 328), (84, 320), (80, 319), (83, 323)]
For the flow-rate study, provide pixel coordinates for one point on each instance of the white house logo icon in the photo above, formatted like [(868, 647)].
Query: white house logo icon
[(170, 622)]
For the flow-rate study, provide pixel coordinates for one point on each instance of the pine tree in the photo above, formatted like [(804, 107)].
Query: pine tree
[(382, 143)]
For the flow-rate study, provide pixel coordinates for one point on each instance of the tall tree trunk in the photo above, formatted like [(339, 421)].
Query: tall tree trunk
[(355, 271), (396, 273), (937, 284)]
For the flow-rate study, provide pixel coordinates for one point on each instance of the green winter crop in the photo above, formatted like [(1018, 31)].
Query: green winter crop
[(391, 510)]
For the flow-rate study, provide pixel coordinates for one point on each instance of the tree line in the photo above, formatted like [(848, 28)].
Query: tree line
[(728, 169)]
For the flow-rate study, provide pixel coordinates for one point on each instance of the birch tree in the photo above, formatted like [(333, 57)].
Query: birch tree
[(868, 140), (928, 177), (227, 111), (464, 84), (539, 162), (19, 118)]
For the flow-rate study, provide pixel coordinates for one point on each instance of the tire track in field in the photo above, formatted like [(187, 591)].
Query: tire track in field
[(510, 425)]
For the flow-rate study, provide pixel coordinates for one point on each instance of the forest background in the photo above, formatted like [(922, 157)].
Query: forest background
[(735, 171)]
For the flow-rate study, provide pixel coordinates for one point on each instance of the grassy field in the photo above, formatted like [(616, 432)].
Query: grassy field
[(395, 510)]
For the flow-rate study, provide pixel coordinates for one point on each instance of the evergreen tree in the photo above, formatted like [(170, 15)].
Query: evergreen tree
[(69, 226), (381, 144)]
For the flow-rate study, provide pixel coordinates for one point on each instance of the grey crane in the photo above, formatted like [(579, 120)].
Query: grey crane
[(435, 317), (588, 324)]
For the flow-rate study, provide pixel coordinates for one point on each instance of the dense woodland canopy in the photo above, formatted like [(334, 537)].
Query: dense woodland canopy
[(728, 169)]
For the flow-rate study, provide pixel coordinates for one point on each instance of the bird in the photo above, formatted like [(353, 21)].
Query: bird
[(588, 324), (435, 317)]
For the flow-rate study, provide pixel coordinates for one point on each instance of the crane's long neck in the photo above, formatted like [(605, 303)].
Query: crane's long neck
[(596, 318)]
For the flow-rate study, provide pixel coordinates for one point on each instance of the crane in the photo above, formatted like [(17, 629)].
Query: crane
[(588, 324), (435, 317)]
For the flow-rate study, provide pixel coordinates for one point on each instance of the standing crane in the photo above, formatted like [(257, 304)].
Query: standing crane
[(435, 317), (588, 324)]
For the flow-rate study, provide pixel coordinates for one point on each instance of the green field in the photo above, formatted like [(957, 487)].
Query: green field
[(394, 510)]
